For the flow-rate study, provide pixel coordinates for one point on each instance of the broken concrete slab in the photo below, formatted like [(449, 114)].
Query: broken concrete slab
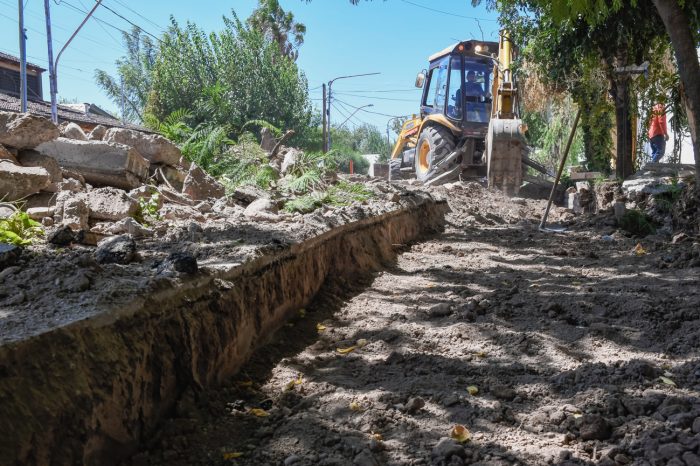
[(126, 225), (32, 158), (110, 204), (246, 195), (18, 182), (181, 212), (39, 213), (153, 147), (25, 130), (262, 209), (100, 163), (200, 186), (116, 250), (75, 213), (73, 131)]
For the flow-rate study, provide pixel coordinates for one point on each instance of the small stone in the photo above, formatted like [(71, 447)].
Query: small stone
[(182, 262), (61, 236), (414, 404), (594, 427), (440, 310), (503, 393), (9, 254), (447, 448), (621, 458), (696, 425), (116, 250), (290, 460)]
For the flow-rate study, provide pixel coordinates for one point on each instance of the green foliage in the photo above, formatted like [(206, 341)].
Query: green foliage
[(134, 75), (278, 26), (341, 194), (245, 163), (228, 79), (19, 229), (636, 223), (147, 211)]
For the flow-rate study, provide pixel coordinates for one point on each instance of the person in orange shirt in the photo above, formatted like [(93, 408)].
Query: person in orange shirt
[(658, 132)]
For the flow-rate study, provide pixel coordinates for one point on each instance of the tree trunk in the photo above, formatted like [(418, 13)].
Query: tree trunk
[(684, 47), (623, 157)]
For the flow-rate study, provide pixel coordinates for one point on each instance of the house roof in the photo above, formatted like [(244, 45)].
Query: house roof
[(10, 103), (11, 58)]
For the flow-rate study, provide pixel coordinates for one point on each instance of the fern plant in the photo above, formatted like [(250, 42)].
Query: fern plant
[(19, 229)]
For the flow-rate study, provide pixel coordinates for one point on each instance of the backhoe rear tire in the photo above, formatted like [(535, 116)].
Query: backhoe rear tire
[(395, 169), (434, 144)]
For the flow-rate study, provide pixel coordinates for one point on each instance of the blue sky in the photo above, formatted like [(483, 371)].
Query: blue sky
[(392, 37)]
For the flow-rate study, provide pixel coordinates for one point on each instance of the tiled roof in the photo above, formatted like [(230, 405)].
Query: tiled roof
[(7, 56), (12, 104)]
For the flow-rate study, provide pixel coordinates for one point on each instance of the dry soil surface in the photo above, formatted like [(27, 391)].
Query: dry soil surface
[(569, 348)]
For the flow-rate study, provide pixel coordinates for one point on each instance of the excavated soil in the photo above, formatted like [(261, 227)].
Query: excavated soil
[(579, 347)]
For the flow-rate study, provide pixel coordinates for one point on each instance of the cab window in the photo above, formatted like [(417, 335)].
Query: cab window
[(455, 101)]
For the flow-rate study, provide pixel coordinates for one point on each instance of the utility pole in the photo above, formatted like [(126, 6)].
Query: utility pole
[(325, 134), (330, 99), (121, 80), (22, 59), (52, 70), (54, 87)]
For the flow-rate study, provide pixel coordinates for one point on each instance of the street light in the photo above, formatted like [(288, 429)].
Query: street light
[(353, 113), (330, 96)]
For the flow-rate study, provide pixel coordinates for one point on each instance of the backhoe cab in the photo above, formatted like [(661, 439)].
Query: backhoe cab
[(467, 124)]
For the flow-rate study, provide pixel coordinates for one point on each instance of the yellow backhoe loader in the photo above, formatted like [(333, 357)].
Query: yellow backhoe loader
[(468, 124)]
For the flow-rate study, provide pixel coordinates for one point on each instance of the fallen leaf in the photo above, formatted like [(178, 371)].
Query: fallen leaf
[(639, 249), (232, 455), (294, 382), (302, 313), (346, 350), (377, 436), (460, 433), (577, 415), (355, 406), (361, 343), (320, 327), (481, 354), (472, 390), (258, 412), (667, 381), (668, 374)]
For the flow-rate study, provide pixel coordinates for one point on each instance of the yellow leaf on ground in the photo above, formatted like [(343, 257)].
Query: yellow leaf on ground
[(355, 406), (481, 354), (667, 381), (320, 327), (377, 436), (302, 312), (232, 455), (472, 390), (460, 433), (346, 350), (258, 412), (639, 249)]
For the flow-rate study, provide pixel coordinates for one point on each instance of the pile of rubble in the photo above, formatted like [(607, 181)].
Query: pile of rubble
[(96, 184)]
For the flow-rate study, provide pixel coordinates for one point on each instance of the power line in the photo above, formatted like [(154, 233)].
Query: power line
[(354, 117), (448, 13), (385, 90), (375, 98), (368, 111), (130, 22), (161, 28)]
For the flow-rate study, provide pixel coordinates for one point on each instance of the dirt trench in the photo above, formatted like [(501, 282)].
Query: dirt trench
[(569, 349), (92, 391)]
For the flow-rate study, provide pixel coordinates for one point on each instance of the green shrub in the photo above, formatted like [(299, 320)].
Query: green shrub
[(19, 229)]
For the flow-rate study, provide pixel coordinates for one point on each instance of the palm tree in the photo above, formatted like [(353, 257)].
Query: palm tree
[(279, 26)]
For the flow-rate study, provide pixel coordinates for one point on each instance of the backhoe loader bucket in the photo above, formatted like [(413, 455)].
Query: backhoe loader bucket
[(505, 146)]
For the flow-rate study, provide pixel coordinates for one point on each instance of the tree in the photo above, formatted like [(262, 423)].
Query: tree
[(228, 78), (134, 73), (279, 26)]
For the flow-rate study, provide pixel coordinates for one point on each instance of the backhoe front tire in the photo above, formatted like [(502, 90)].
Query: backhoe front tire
[(434, 144), (395, 169)]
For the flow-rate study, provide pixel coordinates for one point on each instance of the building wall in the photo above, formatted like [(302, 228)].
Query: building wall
[(10, 81)]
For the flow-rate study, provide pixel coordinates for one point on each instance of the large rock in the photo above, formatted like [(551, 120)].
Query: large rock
[(97, 133), (110, 204), (153, 147), (25, 131), (73, 131), (17, 182), (262, 209), (75, 213), (100, 163), (32, 158), (116, 250), (200, 186)]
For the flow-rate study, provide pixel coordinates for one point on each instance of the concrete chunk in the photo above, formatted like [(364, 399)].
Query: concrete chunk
[(153, 147), (7, 155), (17, 182), (73, 131), (97, 133), (32, 158), (110, 204), (100, 163), (200, 186), (25, 131)]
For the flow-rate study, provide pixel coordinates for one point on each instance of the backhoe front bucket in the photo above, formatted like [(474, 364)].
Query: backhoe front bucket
[(505, 147)]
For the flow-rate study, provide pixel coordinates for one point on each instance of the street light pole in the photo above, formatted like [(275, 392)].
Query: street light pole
[(330, 99), (22, 59), (54, 78), (52, 71), (353, 114)]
